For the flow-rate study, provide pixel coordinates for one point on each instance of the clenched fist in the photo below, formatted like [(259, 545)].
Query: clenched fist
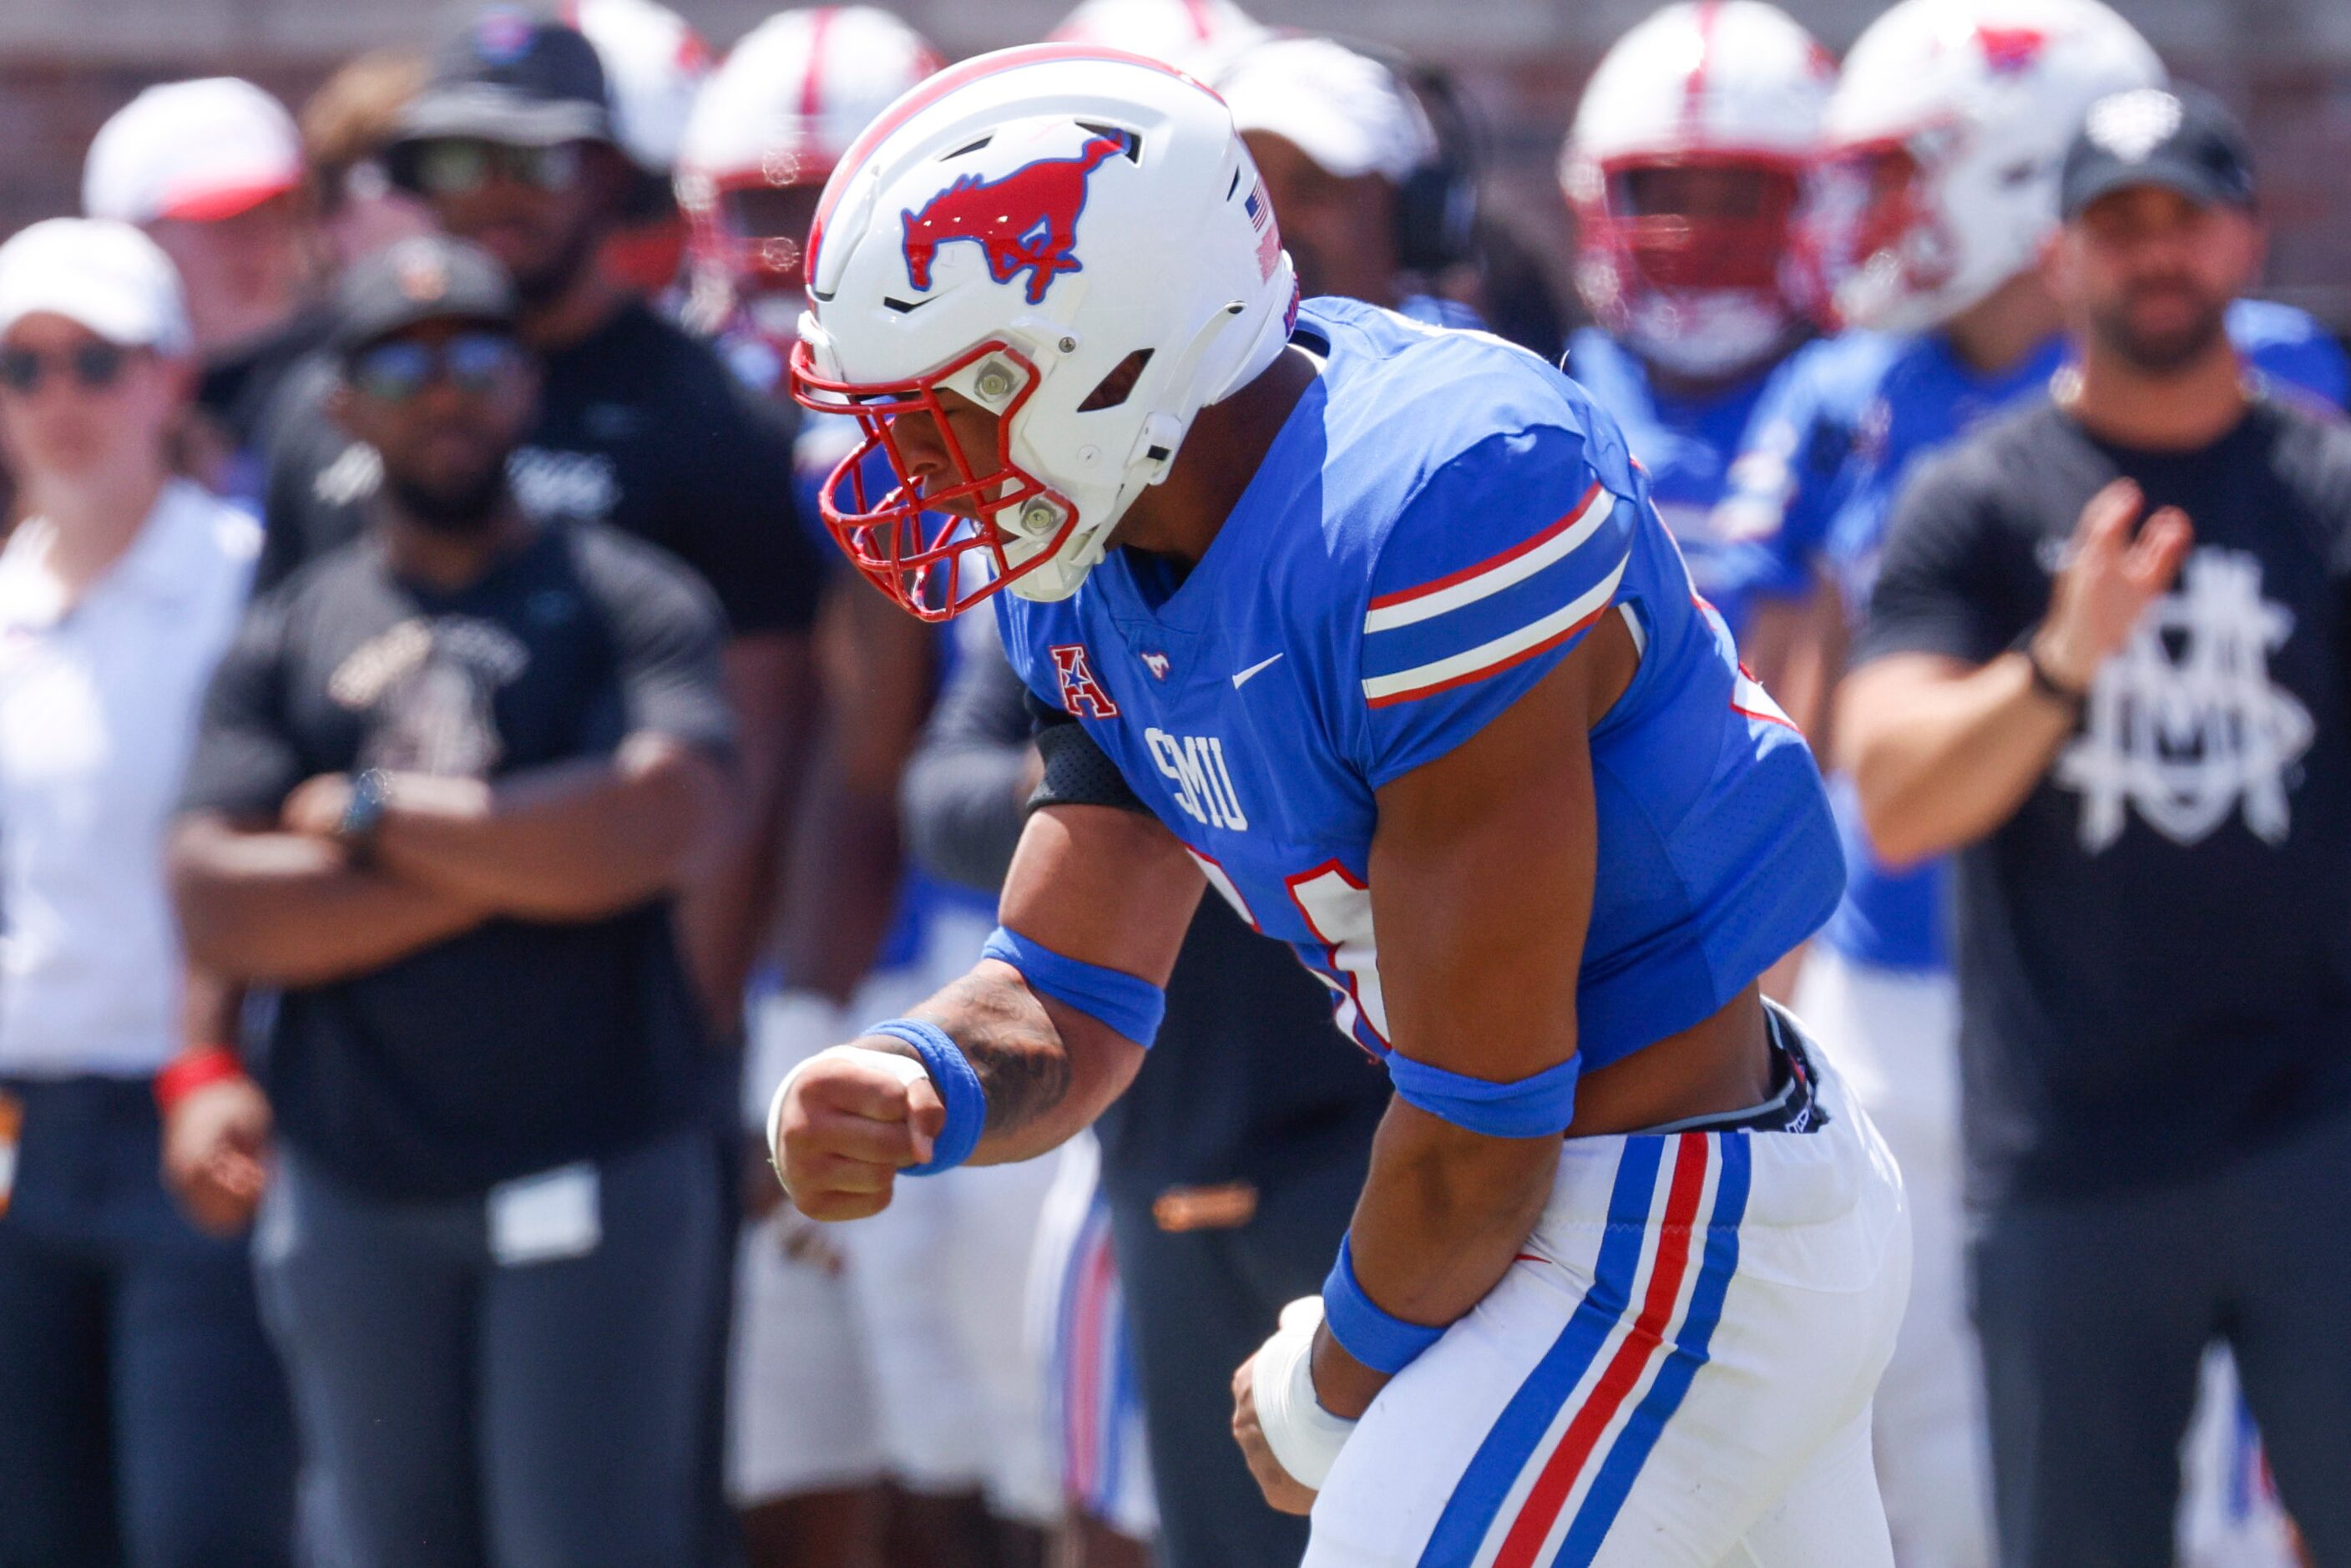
[(846, 1120)]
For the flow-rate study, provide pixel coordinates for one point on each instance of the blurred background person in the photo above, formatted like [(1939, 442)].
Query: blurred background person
[(1228, 1171), (655, 64), (847, 1446), (512, 144), (346, 126), (447, 786), (1374, 202), (2155, 1000), (1685, 171), (212, 170), (1937, 191), (144, 1418)]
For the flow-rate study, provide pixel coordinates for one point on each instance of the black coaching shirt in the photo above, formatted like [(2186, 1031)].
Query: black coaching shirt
[(640, 426), (2154, 953), (517, 1046)]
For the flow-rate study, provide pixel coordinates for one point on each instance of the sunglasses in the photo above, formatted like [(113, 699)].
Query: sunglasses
[(95, 366), (459, 166), (470, 361)]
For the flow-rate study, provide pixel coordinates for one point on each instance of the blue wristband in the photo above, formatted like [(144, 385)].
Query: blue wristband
[(1378, 1339), (1127, 1003), (1531, 1107), (958, 1085)]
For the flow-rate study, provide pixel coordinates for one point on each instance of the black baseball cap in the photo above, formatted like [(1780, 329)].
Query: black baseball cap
[(2178, 138), (509, 77), (425, 277)]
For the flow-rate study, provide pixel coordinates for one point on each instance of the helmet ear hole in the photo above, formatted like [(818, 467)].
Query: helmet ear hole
[(1119, 385)]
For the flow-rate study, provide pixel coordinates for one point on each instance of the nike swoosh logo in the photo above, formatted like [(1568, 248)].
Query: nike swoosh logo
[(1241, 679)]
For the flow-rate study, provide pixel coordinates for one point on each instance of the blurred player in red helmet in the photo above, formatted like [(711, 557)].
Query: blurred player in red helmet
[(773, 122), (1684, 171), (655, 64)]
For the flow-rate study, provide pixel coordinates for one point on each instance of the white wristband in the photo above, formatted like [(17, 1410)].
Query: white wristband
[(1303, 1436), (904, 1067)]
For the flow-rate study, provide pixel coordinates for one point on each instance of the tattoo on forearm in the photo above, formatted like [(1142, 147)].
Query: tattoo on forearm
[(1015, 1048)]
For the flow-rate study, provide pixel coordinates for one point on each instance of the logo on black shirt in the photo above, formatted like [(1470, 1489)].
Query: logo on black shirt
[(2186, 739)]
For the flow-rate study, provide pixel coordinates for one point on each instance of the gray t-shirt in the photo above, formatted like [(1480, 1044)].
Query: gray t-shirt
[(516, 1046)]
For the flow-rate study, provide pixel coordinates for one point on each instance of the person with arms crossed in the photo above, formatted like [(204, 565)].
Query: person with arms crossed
[(143, 1416), (1394, 641), (449, 779), (2103, 663)]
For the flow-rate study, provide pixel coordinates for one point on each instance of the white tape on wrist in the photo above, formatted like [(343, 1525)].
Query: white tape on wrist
[(1303, 1436), (905, 1069)]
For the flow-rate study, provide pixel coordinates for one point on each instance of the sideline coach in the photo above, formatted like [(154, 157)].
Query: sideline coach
[(2107, 663)]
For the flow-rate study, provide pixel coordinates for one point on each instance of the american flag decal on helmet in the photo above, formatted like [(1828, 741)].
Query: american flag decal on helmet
[(1269, 233)]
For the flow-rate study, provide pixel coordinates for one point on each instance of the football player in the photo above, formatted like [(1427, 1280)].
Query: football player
[(1684, 170), (1942, 145), (1372, 627)]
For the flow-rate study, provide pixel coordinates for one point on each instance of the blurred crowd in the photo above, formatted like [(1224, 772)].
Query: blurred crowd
[(447, 777)]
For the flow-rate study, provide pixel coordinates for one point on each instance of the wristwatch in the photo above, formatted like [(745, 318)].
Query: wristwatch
[(371, 793)]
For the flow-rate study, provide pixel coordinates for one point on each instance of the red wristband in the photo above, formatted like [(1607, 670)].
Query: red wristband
[(192, 1069)]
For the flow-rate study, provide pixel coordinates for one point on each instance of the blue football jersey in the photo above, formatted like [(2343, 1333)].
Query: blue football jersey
[(1737, 554), (1926, 397), (1439, 520)]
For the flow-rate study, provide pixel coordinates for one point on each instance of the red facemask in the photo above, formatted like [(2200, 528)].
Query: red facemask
[(933, 563)]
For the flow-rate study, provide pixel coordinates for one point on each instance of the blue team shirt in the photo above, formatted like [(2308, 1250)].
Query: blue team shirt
[(1863, 412), (1737, 554), (1439, 521)]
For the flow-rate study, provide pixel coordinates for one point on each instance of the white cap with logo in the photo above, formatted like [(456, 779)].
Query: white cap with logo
[(99, 273), (200, 149), (1343, 109)]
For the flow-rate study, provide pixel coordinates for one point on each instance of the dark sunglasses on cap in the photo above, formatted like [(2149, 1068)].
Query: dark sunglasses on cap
[(461, 165), (95, 366), (398, 371)]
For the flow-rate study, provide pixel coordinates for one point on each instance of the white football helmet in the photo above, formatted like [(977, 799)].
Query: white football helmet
[(1944, 140), (1201, 37), (1731, 86), (768, 129), (1074, 239), (654, 65)]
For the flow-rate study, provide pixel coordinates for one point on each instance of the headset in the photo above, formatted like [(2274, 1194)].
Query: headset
[(1437, 204)]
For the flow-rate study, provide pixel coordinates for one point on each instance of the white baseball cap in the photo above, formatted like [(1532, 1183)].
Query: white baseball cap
[(99, 274), (203, 150), (1346, 110)]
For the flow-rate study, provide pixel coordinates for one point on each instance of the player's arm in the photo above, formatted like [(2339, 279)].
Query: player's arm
[(1943, 750), (1481, 876), (1049, 1033), (728, 902), (875, 667), (1482, 872)]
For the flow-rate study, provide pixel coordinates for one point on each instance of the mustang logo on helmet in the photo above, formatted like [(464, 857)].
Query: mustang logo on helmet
[(1026, 221)]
